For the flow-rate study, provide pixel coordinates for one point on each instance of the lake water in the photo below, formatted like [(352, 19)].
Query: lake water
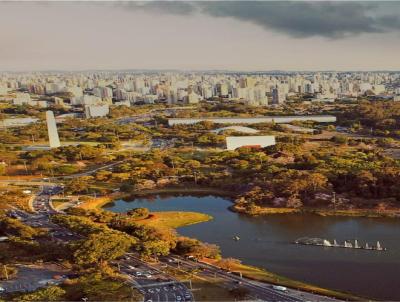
[(267, 242)]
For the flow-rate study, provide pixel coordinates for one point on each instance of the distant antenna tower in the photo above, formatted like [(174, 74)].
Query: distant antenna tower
[(54, 140)]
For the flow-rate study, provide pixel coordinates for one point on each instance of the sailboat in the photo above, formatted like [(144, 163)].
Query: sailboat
[(236, 238)]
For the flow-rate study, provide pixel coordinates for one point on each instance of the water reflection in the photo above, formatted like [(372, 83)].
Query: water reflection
[(267, 242)]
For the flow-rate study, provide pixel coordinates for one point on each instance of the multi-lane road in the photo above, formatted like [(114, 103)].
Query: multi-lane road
[(150, 280)]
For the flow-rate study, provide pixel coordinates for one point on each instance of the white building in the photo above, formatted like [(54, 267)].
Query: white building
[(17, 122), (54, 140), (3, 89), (254, 120), (234, 142), (22, 98), (96, 110), (192, 98)]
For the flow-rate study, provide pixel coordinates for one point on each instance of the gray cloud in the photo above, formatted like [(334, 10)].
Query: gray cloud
[(296, 19)]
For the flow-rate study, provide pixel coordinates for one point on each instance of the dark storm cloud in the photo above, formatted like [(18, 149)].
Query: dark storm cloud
[(296, 19)]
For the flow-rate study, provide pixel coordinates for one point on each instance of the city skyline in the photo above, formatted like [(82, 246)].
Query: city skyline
[(237, 36)]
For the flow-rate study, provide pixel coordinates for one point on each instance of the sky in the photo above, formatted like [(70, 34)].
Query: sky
[(200, 35)]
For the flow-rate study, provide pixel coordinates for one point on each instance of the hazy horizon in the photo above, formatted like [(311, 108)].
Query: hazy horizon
[(199, 36)]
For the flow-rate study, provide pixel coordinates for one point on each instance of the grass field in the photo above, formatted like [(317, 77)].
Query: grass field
[(259, 274), (203, 289), (174, 219)]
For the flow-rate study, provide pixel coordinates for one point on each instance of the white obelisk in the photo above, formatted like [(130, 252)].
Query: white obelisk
[(54, 140)]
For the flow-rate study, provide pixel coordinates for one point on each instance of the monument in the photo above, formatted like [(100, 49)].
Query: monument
[(54, 140)]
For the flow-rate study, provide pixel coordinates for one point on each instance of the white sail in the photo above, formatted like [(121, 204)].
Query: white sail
[(378, 246), (327, 243), (356, 244)]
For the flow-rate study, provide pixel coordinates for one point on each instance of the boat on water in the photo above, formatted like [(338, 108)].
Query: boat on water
[(349, 244), (236, 238)]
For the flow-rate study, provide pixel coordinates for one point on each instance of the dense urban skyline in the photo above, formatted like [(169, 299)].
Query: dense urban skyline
[(239, 35)]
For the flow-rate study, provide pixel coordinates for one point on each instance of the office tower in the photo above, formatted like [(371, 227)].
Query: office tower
[(54, 140)]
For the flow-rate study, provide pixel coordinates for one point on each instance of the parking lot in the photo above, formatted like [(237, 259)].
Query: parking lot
[(152, 283), (32, 277)]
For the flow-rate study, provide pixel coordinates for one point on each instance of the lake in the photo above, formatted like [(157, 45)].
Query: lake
[(267, 242)]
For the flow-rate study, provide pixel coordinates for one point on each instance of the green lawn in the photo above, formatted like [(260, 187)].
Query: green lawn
[(174, 219)]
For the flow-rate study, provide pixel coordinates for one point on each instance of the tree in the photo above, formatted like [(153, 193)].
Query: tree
[(340, 139), (102, 247), (138, 213), (53, 293), (14, 227), (193, 247), (100, 287), (2, 169), (228, 263), (79, 184), (154, 241), (239, 293)]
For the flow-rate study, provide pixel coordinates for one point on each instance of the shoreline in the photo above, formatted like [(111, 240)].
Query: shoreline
[(251, 272), (260, 211), (100, 202), (360, 213), (263, 275)]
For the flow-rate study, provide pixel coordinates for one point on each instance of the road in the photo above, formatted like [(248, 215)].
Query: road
[(263, 292), (258, 290), (152, 283)]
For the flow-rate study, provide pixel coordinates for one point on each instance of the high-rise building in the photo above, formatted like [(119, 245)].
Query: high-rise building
[(54, 140)]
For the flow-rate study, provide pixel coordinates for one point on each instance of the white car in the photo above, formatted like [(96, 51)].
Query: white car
[(2, 289), (280, 288)]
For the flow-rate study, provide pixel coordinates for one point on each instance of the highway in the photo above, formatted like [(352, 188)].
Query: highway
[(264, 292), (258, 290), (150, 280)]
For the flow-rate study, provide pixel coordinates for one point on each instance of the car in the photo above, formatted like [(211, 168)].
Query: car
[(131, 267), (138, 274), (188, 297), (2, 289), (178, 298), (280, 288), (165, 288), (148, 276), (151, 291)]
